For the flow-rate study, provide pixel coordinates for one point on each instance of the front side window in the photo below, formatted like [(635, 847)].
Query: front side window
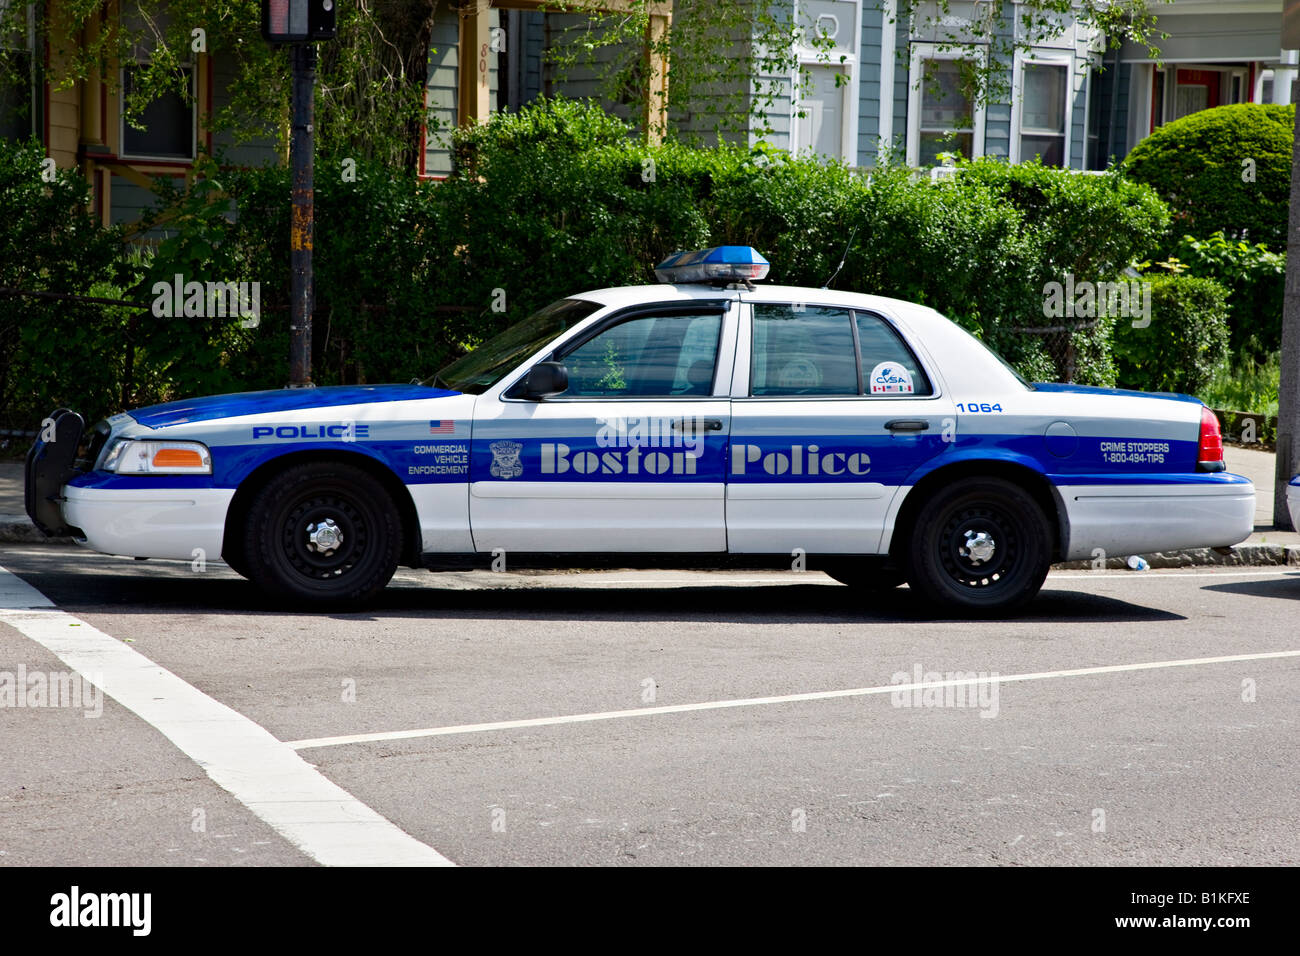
[(649, 356), (1042, 113)]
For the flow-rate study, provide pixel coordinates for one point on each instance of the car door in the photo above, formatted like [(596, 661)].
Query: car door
[(831, 412), (630, 457)]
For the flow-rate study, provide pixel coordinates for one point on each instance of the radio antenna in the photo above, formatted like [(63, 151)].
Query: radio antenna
[(843, 258)]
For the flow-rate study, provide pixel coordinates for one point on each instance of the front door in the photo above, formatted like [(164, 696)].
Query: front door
[(630, 457)]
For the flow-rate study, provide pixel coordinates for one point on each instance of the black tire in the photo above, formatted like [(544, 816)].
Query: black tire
[(865, 577), (287, 545), (980, 545)]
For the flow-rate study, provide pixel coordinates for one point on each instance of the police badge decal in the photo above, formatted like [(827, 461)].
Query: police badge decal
[(505, 459)]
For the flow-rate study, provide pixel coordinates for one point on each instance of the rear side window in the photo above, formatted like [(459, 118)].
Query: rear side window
[(884, 357), (820, 350)]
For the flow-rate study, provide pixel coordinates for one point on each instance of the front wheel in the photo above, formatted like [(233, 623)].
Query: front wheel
[(981, 545), (324, 533)]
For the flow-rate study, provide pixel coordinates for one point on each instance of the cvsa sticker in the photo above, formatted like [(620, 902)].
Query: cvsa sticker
[(890, 378)]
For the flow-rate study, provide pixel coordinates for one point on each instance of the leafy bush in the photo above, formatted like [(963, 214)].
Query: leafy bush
[(1256, 282), (1197, 165), (55, 351), (1091, 226), (1245, 385), (1186, 341)]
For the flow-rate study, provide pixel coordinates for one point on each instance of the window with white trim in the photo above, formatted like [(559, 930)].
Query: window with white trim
[(946, 116), (1043, 112)]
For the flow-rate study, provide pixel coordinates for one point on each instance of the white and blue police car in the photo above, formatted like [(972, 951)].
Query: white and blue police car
[(705, 421)]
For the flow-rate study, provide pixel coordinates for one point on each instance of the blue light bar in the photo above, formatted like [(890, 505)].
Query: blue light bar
[(719, 264)]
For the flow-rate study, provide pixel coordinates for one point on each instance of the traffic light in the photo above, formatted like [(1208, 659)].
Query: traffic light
[(298, 21)]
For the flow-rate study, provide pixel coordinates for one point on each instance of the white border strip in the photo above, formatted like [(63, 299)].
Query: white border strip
[(760, 701), (318, 817)]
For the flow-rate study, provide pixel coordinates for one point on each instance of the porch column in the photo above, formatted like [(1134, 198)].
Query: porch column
[(473, 80), (1283, 76)]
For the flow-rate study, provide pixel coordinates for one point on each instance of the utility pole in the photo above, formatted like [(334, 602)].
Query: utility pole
[(302, 225), (300, 23), (1288, 390)]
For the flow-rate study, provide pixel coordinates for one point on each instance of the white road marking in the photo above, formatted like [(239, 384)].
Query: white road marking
[(762, 701), (271, 779)]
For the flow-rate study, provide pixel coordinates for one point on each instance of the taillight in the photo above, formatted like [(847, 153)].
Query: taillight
[(1209, 453)]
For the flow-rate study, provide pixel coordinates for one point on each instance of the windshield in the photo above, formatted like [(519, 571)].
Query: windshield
[(486, 365)]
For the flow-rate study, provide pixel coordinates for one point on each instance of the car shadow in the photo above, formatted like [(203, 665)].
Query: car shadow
[(173, 589), (1283, 587)]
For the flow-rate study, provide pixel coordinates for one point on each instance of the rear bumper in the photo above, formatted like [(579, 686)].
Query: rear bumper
[(1293, 502), (149, 522), (1145, 519)]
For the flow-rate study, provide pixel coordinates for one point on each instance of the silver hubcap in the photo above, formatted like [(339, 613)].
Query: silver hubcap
[(324, 537), (979, 548)]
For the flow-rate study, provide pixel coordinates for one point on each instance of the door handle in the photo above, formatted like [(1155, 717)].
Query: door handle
[(907, 425), (698, 424)]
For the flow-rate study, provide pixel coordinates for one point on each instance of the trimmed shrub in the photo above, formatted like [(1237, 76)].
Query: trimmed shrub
[(1186, 341), (1256, 282), (1197, 165)]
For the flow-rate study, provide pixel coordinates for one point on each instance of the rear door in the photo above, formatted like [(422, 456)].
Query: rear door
[(630, 457), (831, 411)]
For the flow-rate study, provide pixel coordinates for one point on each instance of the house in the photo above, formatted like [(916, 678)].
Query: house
[(860, 82)]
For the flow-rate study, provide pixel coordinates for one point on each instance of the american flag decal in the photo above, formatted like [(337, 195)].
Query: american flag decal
[(442, 428)]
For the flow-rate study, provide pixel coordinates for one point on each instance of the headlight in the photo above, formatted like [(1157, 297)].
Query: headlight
[(128, 456)]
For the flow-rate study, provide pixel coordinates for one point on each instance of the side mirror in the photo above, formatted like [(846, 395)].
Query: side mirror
[(544, 380)]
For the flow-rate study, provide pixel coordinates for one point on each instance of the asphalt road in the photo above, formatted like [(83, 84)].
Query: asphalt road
[(680, 755)]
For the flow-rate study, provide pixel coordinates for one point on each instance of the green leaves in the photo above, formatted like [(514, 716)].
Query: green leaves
[(1186, 342), (1225, 169)]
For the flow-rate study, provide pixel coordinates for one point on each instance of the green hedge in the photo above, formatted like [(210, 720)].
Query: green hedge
[(1196, 165), (557, 199), (1186, 341)]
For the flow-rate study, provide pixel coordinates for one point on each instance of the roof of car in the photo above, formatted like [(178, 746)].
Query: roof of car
[(664, 292)]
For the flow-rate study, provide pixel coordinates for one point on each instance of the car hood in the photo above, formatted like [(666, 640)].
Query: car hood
[(213, 407)]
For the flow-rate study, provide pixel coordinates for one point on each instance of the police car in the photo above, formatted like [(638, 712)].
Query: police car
[(704, 421)]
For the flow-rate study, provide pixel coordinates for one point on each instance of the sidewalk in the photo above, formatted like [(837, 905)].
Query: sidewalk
[(1266, 546)]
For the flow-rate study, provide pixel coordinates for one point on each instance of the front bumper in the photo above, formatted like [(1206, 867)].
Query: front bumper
[(1293, 502), (184, 523)]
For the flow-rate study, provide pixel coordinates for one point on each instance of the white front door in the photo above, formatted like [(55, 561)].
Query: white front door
[(630, 458)]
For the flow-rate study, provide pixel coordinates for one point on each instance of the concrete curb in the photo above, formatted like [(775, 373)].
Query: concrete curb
[(1241, 556)]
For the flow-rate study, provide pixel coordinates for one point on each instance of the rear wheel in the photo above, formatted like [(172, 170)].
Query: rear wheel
[(982, 544), (324, 533)]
